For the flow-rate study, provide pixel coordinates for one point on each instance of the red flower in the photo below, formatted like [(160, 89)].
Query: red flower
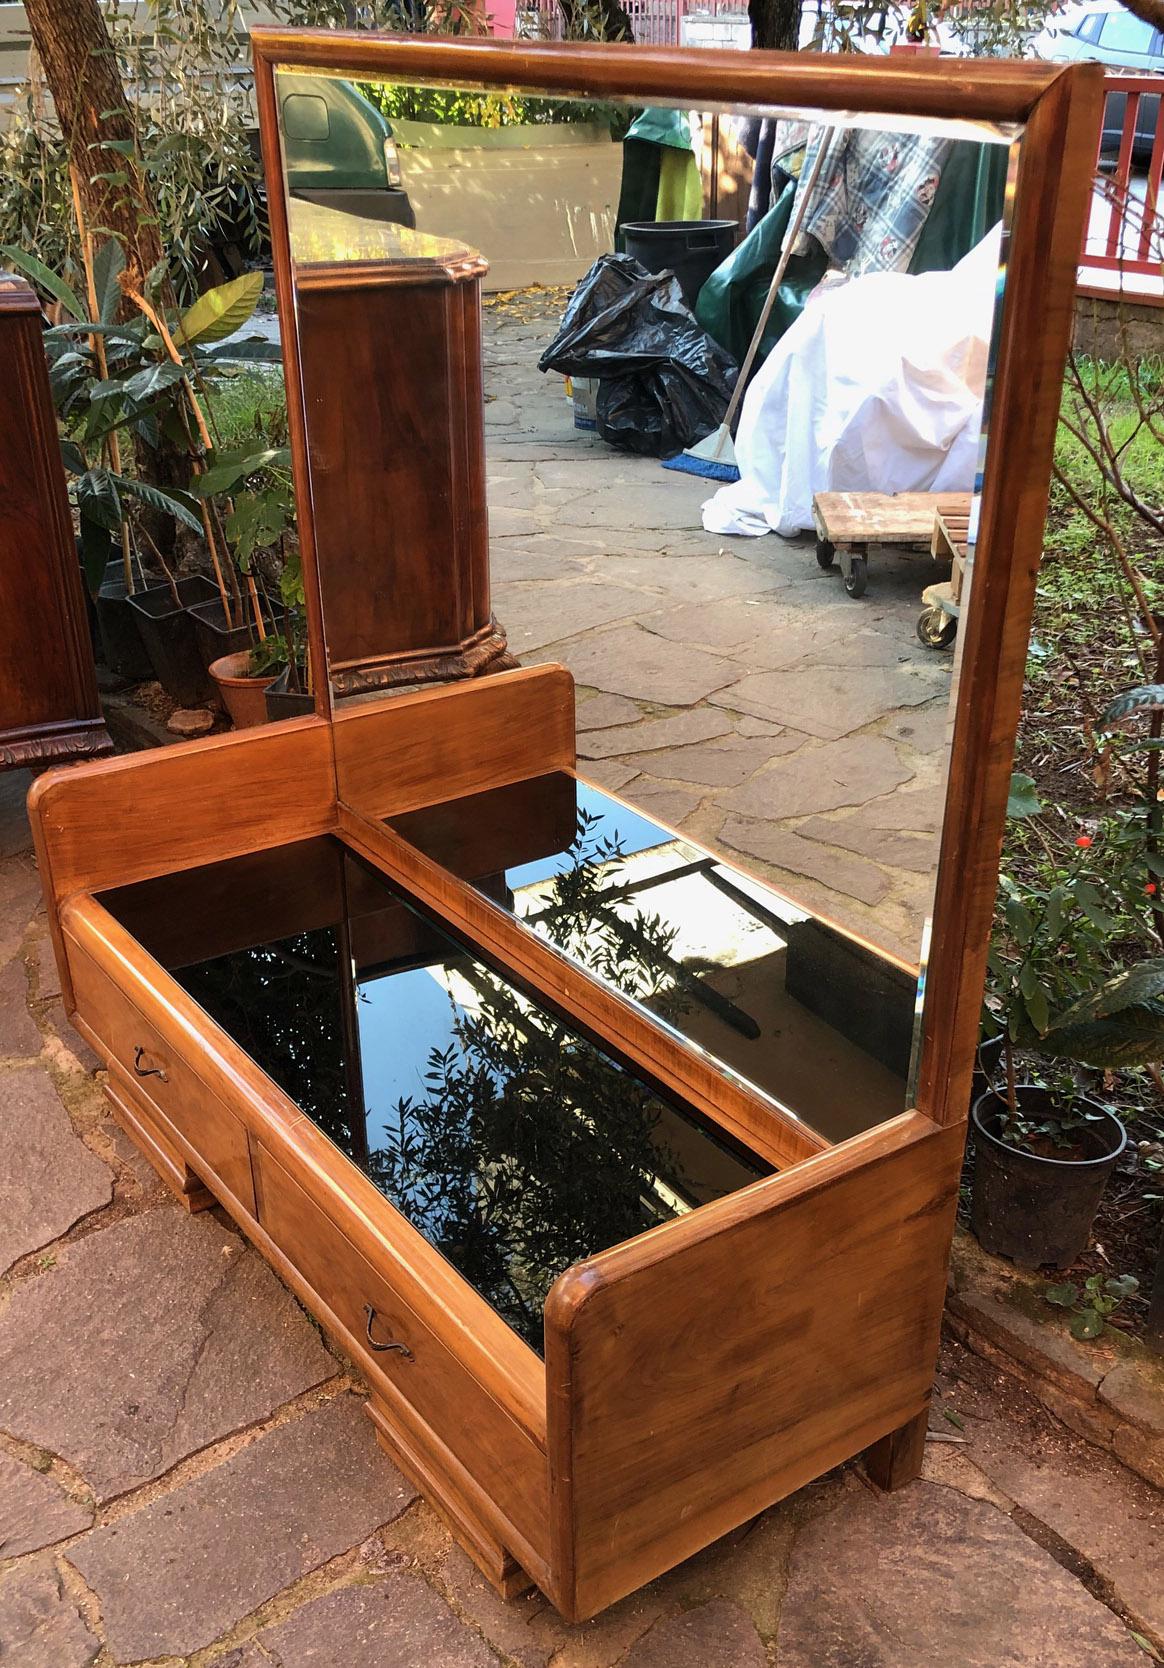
[(1150, 889), (1083, 840)]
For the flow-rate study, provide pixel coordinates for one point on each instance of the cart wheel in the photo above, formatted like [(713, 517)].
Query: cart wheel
[(825, 553), (857, 577), (936, 629)]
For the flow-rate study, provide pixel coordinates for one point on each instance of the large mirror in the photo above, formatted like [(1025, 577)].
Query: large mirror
[(519, 324)]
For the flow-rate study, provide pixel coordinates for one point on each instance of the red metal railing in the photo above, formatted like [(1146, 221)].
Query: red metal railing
[(1125, 233)]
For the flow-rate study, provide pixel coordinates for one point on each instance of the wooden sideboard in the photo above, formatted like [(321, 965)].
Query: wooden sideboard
[(49, 710)]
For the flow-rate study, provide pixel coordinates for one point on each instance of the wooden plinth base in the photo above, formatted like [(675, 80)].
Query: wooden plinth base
[(46, 745), (487, 651), (497, 1565), (190, 1193)]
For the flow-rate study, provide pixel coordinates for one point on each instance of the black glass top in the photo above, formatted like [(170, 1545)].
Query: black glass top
[(513, 1143), (799, 1009)]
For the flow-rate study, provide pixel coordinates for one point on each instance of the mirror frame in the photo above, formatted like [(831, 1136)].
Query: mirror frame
[(1058, 108)]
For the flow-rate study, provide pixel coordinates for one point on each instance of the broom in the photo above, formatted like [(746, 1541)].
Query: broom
[(715, 457)]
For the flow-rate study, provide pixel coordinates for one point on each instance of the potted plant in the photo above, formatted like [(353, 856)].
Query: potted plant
[(1045, 1150), (259, 521)]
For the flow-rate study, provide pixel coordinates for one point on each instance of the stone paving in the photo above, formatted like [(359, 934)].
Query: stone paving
[(726, 684), (186, 1476)]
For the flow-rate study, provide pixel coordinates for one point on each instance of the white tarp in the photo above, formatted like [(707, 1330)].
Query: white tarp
[(877, 387)]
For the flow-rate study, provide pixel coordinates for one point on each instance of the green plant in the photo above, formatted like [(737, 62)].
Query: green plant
[(1092, 1303)]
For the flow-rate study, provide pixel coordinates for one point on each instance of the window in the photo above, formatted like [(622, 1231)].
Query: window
[(1124, 33), (1088, 29), (305, 117)]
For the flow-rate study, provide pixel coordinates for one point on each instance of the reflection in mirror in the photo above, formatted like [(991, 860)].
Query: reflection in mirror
[(512, 1143), (511, 309)]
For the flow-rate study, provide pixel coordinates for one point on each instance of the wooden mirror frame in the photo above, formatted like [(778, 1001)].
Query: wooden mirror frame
[(1058, 107)]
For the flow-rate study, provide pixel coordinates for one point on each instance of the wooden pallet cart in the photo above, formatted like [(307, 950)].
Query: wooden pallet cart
[(850, 524), (937, 624)]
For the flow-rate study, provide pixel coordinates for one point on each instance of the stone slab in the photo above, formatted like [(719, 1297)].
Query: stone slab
[(730, 625), (1134, 1389), (51, 1179), (709, 578), (917, 810), (48, 980), (20, 898), (897, 850), (670, 805), (926, 730), (397, 1622), (723, 763), (626, 660), (926, 1576), (35, 1511), (19, 1037), (535, 615), (843, 872), (174, 1576), (217, 1344), (72, 1039), (605, 712), (517, 1627), (718, 1633), (40, 1625), (827, 701), (681, 729), (610, 773), (849, 772)]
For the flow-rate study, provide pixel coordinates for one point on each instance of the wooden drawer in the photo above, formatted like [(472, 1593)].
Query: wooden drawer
[(448, 1399), (213, 1138)]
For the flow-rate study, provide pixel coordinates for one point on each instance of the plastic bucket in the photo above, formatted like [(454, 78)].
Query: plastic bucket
[(691, 249), (167, 630), (1038, 1210), (122, 649), (212, 634), (286, 703)]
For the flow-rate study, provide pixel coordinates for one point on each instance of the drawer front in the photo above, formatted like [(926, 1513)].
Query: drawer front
[(214, 1139), (493, 1448)]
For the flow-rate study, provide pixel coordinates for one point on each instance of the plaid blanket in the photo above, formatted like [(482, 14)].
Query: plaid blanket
[(875, 192)]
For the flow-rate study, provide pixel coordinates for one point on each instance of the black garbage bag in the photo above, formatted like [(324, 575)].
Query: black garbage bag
[(663, 382)]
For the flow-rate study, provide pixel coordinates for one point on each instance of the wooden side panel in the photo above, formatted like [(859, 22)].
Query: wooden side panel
[(413, 749), (704, 1371), (147, 814)]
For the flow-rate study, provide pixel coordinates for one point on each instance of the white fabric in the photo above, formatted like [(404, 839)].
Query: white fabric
[(877, 387)]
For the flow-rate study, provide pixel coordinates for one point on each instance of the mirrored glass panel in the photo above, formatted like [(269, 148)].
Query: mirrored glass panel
[(522, 322), (515, 1145)]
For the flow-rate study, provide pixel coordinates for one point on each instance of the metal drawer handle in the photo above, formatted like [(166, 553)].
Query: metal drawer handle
[(146, 1071), (402, 1348)]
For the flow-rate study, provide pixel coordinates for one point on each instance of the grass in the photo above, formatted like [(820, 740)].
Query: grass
[(249, 403)]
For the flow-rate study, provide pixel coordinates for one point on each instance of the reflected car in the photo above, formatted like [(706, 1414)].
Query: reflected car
[(1107, 33), (339, 149)]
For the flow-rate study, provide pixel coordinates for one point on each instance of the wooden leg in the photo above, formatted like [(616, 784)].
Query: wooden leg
[(897, 1458), (496, 1564), (191, 1193)]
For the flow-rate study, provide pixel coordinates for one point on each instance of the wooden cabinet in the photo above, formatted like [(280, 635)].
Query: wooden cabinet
[(49, 711), (615, 1284)]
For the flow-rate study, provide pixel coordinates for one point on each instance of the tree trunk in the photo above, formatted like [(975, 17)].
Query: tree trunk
[(81, 69), (775, 24)]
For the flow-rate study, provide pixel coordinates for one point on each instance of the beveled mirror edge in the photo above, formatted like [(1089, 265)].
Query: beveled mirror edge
[(1060, 106)]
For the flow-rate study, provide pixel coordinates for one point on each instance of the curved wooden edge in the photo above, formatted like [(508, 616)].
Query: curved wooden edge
[(584, 1281), (502, 1363), (772, 1335), (986, 90), (397, 754), (604, 1015)]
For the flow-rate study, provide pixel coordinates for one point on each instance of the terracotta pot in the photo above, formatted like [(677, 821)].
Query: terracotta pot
[(243, 696)]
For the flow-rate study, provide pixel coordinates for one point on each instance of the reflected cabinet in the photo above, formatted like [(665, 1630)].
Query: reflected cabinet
[(626, 1177)]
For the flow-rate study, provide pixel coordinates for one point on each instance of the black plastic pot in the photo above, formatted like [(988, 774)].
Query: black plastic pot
[(167, 630), (691, 249), (286, 703), (122, 649), (1038, 1210), (212, 634)]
